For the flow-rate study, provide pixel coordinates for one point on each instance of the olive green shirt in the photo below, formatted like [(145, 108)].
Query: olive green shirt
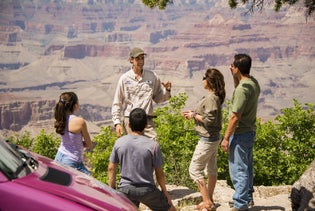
[(209, 107), (245, 102)]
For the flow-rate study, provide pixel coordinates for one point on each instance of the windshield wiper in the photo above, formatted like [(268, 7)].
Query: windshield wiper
[(20, 168), (27, 161)]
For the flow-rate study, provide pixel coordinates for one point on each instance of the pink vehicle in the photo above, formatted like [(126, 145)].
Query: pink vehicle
[(29, 181)]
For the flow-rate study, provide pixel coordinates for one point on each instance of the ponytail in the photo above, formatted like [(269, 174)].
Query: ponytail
[(63, 108)]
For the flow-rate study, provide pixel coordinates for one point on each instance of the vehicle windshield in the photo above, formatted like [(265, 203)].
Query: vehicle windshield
[(13, 163)]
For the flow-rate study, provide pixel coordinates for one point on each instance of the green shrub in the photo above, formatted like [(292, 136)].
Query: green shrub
[(43, 144), (24, 140), (177, 139), (98, 158), (222, 157), (46, 144), (283, 150)]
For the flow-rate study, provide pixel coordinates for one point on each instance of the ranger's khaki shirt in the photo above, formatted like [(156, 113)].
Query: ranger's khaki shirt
[(132, 93)]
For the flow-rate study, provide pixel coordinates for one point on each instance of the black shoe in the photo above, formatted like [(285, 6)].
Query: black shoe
[(251, 204)]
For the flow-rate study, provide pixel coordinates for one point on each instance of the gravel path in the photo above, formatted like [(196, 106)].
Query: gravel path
[(265, 198)]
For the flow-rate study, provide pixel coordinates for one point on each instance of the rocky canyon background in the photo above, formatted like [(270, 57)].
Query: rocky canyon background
[(48, 47)]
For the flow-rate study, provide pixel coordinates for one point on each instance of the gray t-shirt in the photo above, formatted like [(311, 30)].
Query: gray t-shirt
[(137, 156)]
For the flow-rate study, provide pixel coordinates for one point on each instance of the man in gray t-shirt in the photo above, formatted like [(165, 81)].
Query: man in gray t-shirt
[(139, 157)]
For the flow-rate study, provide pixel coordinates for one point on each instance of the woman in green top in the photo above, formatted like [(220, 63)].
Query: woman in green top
[(208, 123)]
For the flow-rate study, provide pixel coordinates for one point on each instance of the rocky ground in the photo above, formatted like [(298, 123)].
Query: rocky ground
[(265, 198)]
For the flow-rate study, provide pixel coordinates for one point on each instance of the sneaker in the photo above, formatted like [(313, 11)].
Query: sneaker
[(231, 204), (235, 209), (250, 204)]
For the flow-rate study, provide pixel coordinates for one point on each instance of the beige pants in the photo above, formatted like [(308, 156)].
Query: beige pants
[(204, 160)]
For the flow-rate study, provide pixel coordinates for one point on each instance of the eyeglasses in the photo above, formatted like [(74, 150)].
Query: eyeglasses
[(204, 77)]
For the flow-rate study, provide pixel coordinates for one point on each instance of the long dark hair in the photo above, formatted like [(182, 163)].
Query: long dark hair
[(63, 108), (215, 81)]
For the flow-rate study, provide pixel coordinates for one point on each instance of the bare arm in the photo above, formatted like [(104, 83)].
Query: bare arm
[(78, 125), (112, 175), (234, 119), (87, 143), (160, 177)]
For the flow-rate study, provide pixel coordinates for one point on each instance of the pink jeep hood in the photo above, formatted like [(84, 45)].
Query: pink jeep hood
[(73, 185)]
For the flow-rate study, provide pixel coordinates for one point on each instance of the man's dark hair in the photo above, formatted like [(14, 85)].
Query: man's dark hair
[(243, 62), (137, 120)]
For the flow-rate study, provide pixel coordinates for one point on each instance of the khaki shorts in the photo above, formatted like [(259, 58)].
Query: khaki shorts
[(204, 160)]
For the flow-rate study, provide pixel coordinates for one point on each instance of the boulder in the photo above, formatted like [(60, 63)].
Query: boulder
[(303, 191)]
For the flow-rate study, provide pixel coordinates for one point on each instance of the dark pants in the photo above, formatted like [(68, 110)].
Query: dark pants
[(146, 194)]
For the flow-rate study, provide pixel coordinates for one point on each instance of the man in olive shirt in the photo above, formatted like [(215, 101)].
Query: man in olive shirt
[(241, 131)]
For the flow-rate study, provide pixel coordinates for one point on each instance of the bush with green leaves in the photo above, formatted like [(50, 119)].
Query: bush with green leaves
[(46, 144), (24, 140), (43, 144), (98, 158), (283, 150), (177, 139), (285, 147)]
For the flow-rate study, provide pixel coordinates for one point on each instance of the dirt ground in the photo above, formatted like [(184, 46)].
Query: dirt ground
[(275, 198), (277, 202)]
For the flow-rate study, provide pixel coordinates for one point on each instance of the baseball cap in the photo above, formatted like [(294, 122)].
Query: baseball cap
[(136, 52)]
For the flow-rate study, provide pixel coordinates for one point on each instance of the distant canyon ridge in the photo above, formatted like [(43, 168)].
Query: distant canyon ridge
[(48, 47)]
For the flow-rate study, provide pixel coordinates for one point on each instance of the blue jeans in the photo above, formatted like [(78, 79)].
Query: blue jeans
[(241, 167), (66, 160)]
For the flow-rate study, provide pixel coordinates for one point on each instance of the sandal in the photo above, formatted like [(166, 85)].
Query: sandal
[(206, 207)]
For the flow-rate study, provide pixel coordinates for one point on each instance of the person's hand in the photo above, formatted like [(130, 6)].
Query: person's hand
[(169, 200), (119, 130), (167, 85), (225, 145), (188, 114)]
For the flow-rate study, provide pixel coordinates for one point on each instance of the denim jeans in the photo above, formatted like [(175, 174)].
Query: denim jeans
[(65, 160), (241, 167)]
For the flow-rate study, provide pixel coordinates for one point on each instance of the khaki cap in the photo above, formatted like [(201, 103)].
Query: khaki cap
[(135, 52)]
